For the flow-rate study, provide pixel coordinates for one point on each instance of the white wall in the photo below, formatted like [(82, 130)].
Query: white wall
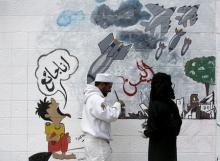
[(28, 30)]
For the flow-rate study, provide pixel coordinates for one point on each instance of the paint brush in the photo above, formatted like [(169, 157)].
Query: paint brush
[(116, 95)]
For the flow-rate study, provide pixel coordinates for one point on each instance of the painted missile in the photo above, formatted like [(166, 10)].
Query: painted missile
[(111, 49), (187, 42), (175, 39), (159, 51)]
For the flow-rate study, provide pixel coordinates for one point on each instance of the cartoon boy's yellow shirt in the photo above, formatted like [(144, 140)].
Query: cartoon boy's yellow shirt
[(52, 131)]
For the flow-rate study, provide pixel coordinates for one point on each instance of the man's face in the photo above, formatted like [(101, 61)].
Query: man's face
[(106, 88)]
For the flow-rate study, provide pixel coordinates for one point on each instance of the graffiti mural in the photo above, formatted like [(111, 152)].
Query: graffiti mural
[(51, 50), (154, 23), (154, 38), (54, 68)]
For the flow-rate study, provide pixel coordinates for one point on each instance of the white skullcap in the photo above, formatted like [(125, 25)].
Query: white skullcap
[(103, 77)]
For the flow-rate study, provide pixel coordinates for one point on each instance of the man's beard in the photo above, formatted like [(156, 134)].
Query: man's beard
[(105, 94)]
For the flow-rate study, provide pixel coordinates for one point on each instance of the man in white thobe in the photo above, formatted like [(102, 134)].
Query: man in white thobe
[(97, 117)]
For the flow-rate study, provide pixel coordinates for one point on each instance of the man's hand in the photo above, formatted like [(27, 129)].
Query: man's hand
[(142, 133), (122, 103)]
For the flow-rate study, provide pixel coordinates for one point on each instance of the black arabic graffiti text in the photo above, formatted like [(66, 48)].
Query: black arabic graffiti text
[(58, 70)]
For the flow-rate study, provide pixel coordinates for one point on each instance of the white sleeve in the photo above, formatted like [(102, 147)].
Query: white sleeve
[(104, 112)]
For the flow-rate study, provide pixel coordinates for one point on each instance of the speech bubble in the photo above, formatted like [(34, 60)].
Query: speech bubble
[(54, 68)]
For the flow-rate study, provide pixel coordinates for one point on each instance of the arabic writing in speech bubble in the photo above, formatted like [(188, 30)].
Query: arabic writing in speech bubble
[(53, 68)]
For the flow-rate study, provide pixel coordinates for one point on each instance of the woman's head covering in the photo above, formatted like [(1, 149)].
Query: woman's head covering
[(161, 87)]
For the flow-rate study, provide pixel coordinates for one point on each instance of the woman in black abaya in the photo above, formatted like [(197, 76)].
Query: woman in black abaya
[(164, 122)]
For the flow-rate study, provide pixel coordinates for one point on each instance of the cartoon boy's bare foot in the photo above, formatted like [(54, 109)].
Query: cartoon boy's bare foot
[(70, 156), (58, 156)]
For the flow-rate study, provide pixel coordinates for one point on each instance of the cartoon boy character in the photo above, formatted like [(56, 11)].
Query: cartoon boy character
[(55, 130)]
